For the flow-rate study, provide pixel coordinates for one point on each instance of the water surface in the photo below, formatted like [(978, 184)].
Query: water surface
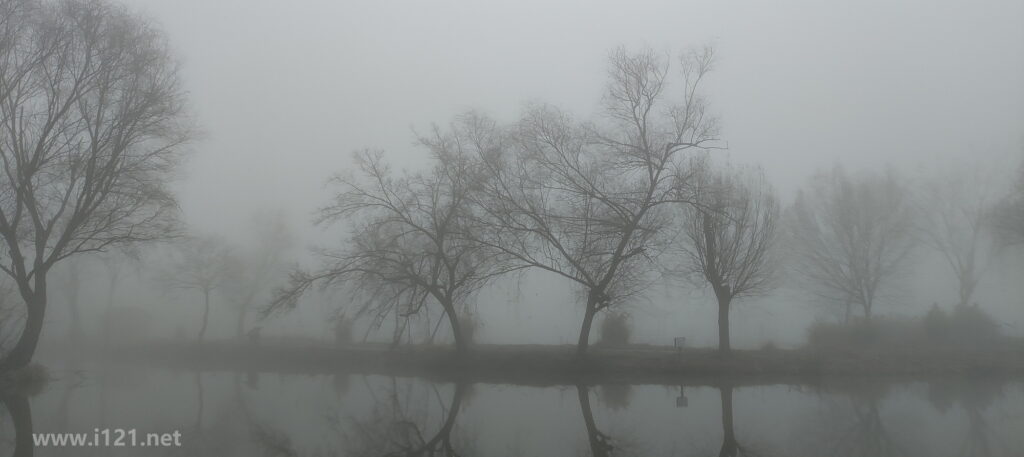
[(267, 414)]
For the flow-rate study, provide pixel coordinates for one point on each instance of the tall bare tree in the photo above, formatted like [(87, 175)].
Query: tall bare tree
[(956, 208), (411, 245), (204, 265), (90, 127), (729, 237), (589, 201), (852, 236)]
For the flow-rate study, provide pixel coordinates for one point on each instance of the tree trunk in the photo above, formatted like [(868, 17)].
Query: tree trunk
[(588, 321), (599, 445), (21, 416), (22, 352), (724, 344), (461, 345), (206, 315), (730, 447)]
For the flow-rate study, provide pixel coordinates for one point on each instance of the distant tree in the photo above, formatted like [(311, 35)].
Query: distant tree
[(90, 127), (1007, 215), (115, 262), (852, 235), (729, 237), (615, 329), (590, 202), (259, 266), (204, 265), (956, 209), (71, 287), (411, 244)]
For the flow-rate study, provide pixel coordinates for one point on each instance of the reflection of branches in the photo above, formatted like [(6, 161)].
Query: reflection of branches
[(974, 397), (602, 444), (392, 429), (730, 445), (615, 396), (274, 442), (855, 431)]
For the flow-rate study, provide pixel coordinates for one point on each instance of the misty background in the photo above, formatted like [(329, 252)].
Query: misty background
[(285, 92)]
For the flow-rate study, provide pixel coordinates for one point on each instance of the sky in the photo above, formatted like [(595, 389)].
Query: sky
[(285, 91)]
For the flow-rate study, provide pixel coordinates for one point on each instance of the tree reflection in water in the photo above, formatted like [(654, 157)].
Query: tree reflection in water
[(400, 423), (975, 397), (21, 419), (602, 444), (854, 427)]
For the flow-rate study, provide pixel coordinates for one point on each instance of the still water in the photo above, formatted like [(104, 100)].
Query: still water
[(267, 414)]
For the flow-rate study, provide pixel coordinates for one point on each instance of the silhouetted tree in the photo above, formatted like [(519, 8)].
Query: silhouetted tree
[(412, 243), (851, 235), (21, 417), (395, 427), (203, 264), (956, 209), (589, 202), (258, 265), (90, 124), (730, 235)]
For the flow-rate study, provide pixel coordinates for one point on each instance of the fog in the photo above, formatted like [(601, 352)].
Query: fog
[(285, 92), (838, 186)]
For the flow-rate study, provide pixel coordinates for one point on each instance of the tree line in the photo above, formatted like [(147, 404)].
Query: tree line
[(634, 196), (93, 126)]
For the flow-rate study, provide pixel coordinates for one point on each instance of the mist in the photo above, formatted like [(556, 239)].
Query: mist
[(445, 210)]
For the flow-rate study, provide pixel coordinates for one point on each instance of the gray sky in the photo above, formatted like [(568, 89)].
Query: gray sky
[(286, 90)]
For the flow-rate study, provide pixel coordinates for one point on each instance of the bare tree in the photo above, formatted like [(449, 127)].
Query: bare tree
[(955, 217), (1007, 215), (852, 235), (729, 237), (90, 124), (412, 245), (403, 422), (204, 265), (259, 265), (589, 202)]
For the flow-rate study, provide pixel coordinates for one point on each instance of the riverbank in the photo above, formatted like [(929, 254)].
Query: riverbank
[(552, 365)]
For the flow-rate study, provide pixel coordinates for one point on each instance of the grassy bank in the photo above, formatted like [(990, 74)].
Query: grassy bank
[(549, 365)]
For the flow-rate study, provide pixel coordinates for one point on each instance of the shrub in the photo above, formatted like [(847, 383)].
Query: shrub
[(615, 329), (966, 326), (969, 324)]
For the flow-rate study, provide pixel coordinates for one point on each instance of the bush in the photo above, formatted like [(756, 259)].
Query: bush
[(966, 326), (615, 329), (875, 334), (969, 324)]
